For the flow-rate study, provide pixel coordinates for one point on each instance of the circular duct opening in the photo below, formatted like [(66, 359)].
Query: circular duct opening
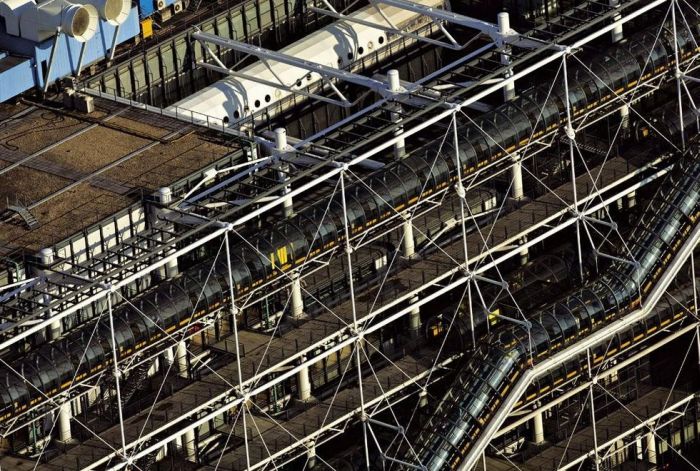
[(115, 12), (80, 22)]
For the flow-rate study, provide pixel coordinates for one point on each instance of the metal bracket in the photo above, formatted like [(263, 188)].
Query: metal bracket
[(452, 44), (326, 72), (395, 428), (113, 47), (634, 263), (593, 220), (511, 36), (18, 288), (501, 284), (211, 173), (52, 58)]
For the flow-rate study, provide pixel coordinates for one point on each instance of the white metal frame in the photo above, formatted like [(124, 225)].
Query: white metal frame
[(466, 272)]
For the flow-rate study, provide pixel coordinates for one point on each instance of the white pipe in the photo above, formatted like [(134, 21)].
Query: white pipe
[(414, 322), (46, 258), (617, 32), (228, 403), (517, 190), (409, 241), (64, 416), (538, 428), (524, 252), (303, 383), (189, 445), (165, 197), (625, 117), (297, 300), (181, 358), (281, 147), (504, 28), (651, 445), (395, 87)]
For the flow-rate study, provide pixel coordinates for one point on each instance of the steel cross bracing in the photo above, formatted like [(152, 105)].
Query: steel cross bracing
[(487, 67), (254, 298), (343, 154), (617, 188), (301, 444), (310, 359), (598, 337), (496, 71)]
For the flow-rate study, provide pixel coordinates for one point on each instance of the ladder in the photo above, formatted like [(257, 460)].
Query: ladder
[(28, 218)]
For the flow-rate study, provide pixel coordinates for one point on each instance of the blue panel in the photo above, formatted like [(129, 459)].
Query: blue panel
[(68, 53), (147, 7), (16, 76), (18, 73)]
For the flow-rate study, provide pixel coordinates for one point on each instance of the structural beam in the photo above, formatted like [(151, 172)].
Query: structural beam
[(306, 65), (587, 343), (342, 339)]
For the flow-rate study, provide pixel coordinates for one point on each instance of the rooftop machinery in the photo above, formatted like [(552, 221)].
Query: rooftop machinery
[(41, 42), (414, 157)]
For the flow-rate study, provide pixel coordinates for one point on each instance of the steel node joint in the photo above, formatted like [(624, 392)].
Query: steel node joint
[(461, 191)]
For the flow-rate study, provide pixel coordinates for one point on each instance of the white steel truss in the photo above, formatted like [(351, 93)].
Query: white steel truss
[(466, 274)]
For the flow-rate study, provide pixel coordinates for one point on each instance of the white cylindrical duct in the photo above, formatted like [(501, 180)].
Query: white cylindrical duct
[(617, 33), (281, 148), (394, 80), (281, 139), (414, 322), (79, 21), (303, 383), (503, 22), (189, 445), (517, 190), (651, 446), (49, 18), (165, 195), (181, 359), (504, 28), (297, 300), (538, 432), (409, 241), (114, 12), (64, 416)]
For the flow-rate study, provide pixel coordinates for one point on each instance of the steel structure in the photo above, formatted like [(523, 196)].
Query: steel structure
[(202, 214)]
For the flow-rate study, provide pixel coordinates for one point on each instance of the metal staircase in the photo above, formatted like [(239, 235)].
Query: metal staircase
[(29, 220)]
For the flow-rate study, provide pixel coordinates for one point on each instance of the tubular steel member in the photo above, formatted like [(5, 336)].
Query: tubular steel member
[(440, 171), (455, 435)]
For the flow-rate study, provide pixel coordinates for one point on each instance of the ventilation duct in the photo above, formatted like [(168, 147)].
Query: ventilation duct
[(45, 20), (114, 12)]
